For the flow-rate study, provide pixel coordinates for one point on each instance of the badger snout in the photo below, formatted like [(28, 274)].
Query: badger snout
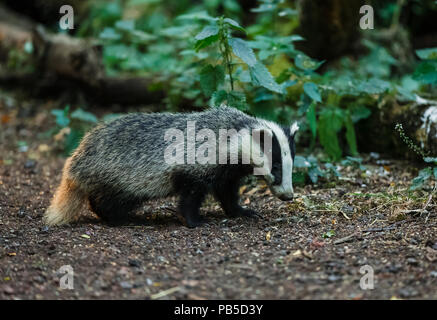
[(286, 197)]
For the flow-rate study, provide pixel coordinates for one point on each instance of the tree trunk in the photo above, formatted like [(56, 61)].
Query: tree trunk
[(419, 121), (330, 27)]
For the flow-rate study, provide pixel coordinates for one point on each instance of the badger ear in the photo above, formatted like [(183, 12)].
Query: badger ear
[(293, 129)]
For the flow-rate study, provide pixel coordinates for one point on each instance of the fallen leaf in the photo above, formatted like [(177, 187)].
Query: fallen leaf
[(85, 236), (5, 119), (43, 148), (268, 236), (242, 189)]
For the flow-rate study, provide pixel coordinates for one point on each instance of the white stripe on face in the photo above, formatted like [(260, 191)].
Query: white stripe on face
[(286, 187)]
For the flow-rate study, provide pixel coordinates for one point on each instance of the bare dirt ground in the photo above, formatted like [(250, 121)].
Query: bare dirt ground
[(311, 248)]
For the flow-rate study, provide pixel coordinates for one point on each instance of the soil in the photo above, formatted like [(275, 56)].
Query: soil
[(311, 248)]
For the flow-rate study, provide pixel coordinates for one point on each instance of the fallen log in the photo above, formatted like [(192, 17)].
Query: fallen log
[(60, 61), (419, 121)]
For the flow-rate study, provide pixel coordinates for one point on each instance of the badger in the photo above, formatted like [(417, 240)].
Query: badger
[(120, 164)]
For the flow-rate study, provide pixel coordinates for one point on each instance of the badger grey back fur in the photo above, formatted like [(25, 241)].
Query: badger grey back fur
[(120, 164), (128, 153)]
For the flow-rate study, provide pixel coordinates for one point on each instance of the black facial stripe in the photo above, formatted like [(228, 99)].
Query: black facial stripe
[(290, 142), (276, 161)]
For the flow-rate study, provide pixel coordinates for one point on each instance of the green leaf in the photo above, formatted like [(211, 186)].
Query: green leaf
[(301, 162), (218, 98), (111, 116), (82, 115), (207, 32), (430, 159), (423, 176), (312, 91), (261, 76), (62, 118), (234, 25), (306, 63), (435, 172), (284, 85), (180, 32), (237, 100), (205, 42), (125, 25), (329, 234), (242, 50), (359, 112), (311, 117), (265, 7), (142, 37), (201, 15), (372, 86), (427, 54), (211, 77), (72, 141), (426, 72), (330, 122), (28, 47), (109, 34), (314, 173), (299, 178), (350, 135), (332, 168), (233, 99)]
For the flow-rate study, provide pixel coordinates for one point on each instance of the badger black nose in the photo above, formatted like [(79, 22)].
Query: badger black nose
[(285, 197)]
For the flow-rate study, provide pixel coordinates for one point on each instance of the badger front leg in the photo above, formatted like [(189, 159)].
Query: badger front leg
[(227, 194), (189, 207)]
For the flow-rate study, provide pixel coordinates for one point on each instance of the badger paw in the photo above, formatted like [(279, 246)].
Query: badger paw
[(248, 213), (193, 223)]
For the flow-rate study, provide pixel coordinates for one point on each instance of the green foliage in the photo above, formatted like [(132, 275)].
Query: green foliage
[(202, 54), (77, 123), (21, 59), (311, 168), (426, 71), (354, 162), (211, 77), (423, 177), (312, 91), (331, 120), (328, 234)]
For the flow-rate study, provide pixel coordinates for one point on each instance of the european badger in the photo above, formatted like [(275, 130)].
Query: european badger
[(120, 164)]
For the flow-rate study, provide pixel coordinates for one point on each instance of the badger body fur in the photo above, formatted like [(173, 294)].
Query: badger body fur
[(120, 164)]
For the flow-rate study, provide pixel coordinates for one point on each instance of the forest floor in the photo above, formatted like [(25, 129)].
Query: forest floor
[(311, 248)]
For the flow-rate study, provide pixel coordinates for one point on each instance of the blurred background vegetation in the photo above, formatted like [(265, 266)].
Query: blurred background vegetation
[(303, 60)]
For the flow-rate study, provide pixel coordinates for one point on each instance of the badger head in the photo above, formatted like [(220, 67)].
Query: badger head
[(280, 152)]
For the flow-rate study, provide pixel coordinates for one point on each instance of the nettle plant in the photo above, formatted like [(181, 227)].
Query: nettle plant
[(212, 77), (426, 174)]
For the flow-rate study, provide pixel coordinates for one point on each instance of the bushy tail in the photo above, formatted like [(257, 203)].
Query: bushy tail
[(67, 202)]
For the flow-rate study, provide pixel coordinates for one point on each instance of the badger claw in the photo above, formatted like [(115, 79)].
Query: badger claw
[(249, 213)]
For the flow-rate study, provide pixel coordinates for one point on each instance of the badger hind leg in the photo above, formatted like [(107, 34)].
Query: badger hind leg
[(66, 203), (112, 209)]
